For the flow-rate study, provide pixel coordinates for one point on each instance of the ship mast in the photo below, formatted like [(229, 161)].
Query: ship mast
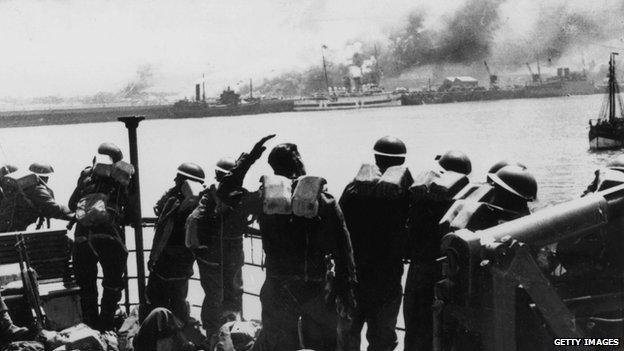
[(325, 66), (612, 86)]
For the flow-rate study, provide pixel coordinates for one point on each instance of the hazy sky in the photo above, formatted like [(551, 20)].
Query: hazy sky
[(82, 47)]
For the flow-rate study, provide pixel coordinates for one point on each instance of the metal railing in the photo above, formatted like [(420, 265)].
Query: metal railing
[(254, 259)]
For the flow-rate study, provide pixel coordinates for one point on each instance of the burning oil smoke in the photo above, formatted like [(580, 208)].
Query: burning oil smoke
[(504, 32)]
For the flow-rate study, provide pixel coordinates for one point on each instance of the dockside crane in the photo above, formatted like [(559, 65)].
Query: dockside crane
[(493, 77)]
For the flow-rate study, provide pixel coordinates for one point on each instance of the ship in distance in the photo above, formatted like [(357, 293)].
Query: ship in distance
[(607, 131)]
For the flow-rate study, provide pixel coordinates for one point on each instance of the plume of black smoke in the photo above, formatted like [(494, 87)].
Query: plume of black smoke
[(475, 32), (465, 37)]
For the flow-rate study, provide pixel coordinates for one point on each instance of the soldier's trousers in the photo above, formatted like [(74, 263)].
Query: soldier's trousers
[(417, 307), (283, 303), (220, 274), (380, 315), (112, 256), (167, 285)]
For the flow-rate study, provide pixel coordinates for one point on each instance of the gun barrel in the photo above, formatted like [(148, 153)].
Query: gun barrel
[(567, 220)]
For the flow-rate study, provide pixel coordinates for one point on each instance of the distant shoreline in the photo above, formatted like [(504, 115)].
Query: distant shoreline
[(15, 119)]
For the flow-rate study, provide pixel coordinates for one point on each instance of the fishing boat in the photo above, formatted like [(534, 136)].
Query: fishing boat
[(607, 131)]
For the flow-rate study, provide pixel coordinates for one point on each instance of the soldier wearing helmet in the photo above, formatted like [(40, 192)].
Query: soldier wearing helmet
[(509, 192), (431, 196), (171, 261), (376, 220), (98, 237), (309, 262), (215, 233), (22, 207), (455, 161)]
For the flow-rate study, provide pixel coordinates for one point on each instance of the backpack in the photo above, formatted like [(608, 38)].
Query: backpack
[(104, 192), (14, 199)]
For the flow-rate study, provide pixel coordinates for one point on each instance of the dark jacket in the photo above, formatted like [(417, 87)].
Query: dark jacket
[(39, 203), (172, 210), (378, 232), (215, 218), (297, 247)]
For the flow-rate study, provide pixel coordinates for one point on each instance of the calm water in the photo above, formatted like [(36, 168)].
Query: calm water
[(548, 135)]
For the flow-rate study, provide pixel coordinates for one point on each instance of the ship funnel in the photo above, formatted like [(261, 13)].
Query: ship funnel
[(197, 92)]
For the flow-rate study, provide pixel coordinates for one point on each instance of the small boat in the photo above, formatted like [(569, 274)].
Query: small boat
[(607, 132)]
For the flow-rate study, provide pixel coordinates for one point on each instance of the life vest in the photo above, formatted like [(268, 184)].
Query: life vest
[(479, 192), (279, 198), (103, 189), (14, 199), (431, 195), (392, 184), (473, 215), (438, 185)]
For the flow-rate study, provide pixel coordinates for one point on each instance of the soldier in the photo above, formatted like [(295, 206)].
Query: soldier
[(376, 220), (513, 187), (218, 231), (29, 198), (101, 201), (309, 264), (9, 331), (432, 195), (171, 262)]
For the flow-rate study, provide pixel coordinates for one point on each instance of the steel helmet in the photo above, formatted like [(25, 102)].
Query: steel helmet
[(41, 169), (617, 163), (502, 163), (7, 168), (225, 164), (390, 146), (455, 161), (286, 161), (191, 171), (516, 180), (111, 150)]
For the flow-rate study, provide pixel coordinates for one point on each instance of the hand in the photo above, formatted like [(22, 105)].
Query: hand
[(259, 148)]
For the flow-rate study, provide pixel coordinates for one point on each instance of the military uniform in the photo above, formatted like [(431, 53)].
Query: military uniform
[(377, 227), (171, 262), (299, 289), (38, 203), (102, 243), (220, 228)]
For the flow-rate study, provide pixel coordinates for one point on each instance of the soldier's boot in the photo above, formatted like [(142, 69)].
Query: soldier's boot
[(10, 331)]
